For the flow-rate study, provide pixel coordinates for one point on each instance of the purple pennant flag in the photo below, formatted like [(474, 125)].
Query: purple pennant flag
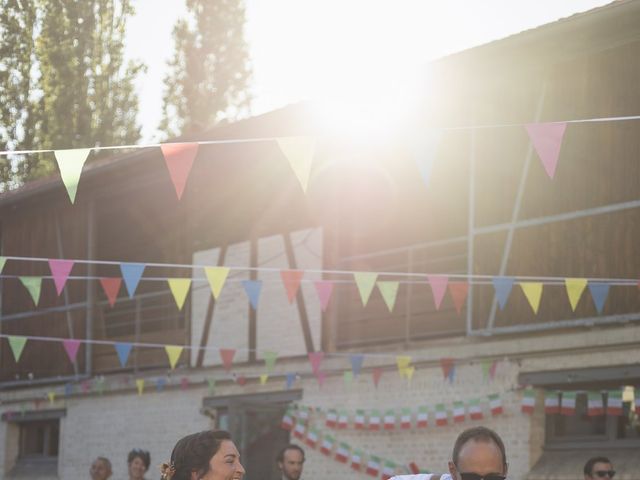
[(60, 270), (132, 273), (599, 293), (71, 346), (502, 286), (356, 364), (291, 377), (123, 349), (252, 288), (324, 289)]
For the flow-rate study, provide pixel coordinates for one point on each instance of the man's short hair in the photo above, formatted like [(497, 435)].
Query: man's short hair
[(291, 446), (592, 461), (482, 434)]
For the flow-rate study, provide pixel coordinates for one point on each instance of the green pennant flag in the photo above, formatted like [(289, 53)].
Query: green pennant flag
[(270, 360), (70, 163), (365, 282), (3, 260), (212, 385), (348, 377), (17, 345), (389, 291), (33, 285)]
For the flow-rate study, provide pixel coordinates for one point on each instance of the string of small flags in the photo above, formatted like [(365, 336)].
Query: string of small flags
[(564, 402)]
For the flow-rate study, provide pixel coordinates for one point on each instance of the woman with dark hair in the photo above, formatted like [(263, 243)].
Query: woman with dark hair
[(208, 455), (138, 461)]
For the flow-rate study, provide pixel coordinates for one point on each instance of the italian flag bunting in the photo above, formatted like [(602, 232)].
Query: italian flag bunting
[(359, 420), (373, 466), (528, 401), (312, 438), (595, 405), (405, 419), (374, 420), (423, 417), (551, 403), (342, 453), (475, 411), (287, 420), (568, 403), (495, 402), (343, 420), (458, 412), (332, 418), (327, 445), (298, 432), (356, 460), (390, 420), (637, 400), (441, 415), (389, 470), (614, 402)]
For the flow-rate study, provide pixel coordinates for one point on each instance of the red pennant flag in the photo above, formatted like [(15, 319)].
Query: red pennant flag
[(377, 373), (179, 159), (227, 355), (184, 383), (547, 140), (447, 365), (316, 359), (60, 270), (242, 380), (458, 292), (324, 289), (111, 287), (291, 280)]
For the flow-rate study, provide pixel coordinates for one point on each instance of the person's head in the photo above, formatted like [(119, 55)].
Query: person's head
[(598, 468), (290, 461), (138, 461), (100, 469), (478, 453), (208, 455)]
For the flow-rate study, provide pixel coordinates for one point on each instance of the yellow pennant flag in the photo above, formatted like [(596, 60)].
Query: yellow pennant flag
[(409, 371), (140, 385), (365, 282), (173, 352), (575, 287), (70, 163), (403, 362), (179, 287), (533, 292), (263, 378), (299, 151), (389, 291), (216, 276), (52, 397)]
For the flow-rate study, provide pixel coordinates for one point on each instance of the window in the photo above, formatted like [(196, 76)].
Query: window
[(39, 439)]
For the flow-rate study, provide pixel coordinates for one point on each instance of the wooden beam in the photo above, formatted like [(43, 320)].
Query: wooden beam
[(253, 315)]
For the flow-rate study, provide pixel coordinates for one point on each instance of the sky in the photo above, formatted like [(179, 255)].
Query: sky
[(338, 52)]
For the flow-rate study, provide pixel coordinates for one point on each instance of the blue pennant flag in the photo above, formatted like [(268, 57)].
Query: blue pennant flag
[(356, 364), (123, 349), (502, 286), (599, 293), (291, 377), (160, 383), (68, 389), (252, 289), (132, 273)]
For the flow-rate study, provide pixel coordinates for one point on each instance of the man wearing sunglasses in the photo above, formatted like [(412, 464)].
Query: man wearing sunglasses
[(478, 454), (598, 468)]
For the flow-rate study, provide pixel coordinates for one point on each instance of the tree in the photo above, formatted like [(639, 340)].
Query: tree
[(209, 73), (72, 87)]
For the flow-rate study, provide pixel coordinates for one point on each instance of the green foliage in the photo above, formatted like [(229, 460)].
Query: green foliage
[(63, 80), (209, 73)]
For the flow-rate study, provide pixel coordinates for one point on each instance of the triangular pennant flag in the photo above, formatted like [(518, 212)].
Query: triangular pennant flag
[(17, 346), (299, 151), (132, 273), (179, 159), (216, 277), (389, 291), (316, 359), (179, 287), (425, 150), (575, 287), (52, 397), (438, 288), (291, 280), (71, 346), (458, 292), (160, 383), (403, 362), (33, 286), (173, 352), (502, 286), (547, 140), (3, 260), (599, 293), (70, 163), (140, 385), (347, 376), (409, 371), (123, 350), (68, 389), (263, 378), (270, 360), (324, 289), (184, 383), (290, 378), (365, 282), (356, 363), (377, 374), (227, 354), (486, 368), (448, 367), (60, 270), (211, 382), (533, 292), (111, 287), (252, 288)]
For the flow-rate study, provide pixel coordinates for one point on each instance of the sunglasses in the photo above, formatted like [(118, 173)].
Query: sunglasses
[(477, 476), (604, 473)]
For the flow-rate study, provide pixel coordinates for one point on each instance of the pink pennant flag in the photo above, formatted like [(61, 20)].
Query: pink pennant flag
[(316, 359), (227, 355), (60, 270), (179, 159), (291, 280), (458, 292), (71, 346), (438, 287), (324, 289), (377, 373), (111, 287), (547, 140)]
